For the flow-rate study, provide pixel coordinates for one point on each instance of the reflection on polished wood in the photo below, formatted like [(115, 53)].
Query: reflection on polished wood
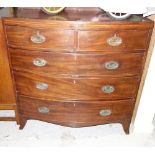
[(59, 65)]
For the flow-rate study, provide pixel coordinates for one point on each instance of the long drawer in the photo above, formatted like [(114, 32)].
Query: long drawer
[(115, 64), (115, 40), (39, 38), (54, 39), (76, 113), (56, 88)]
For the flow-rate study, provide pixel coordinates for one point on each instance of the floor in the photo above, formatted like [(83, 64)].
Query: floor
[(37, 133)]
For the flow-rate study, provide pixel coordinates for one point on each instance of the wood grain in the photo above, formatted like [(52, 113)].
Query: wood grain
[(97, 40), (75, 88), (64, 64), (6, 88), (75, 114), (7, 94), (20, 37), (76, 50)]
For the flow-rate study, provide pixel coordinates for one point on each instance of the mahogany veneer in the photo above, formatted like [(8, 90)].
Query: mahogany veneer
[(78, 68), (76, 114), (77, 63), (75, 88), (19, 36), (97, 40)]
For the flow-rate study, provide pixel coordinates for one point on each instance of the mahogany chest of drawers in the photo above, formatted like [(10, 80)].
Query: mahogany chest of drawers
[(77, 70)]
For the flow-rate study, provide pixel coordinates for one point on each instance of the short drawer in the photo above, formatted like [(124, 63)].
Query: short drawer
[(56, 88), (115, 64), (76, 113), (112, 40), (39, 38)]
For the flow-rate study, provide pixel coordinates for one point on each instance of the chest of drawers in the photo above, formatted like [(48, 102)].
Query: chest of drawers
[(77, 72)]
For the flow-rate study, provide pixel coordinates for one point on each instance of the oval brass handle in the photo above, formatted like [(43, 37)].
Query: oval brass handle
[(108, 89), (111, 65), (38, 38), (105, 112), (43, 110), (41, 86), (114, 41), (39, 62)]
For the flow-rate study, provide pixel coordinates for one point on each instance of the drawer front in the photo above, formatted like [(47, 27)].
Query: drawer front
[(124, 64), (106, 88), (43, 62), (31, 38), (112, 40), (76, 113)]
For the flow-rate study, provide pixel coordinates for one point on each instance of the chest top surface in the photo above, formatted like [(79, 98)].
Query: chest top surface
[(71, 15)]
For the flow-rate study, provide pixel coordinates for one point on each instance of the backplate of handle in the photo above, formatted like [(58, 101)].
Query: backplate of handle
[(114, 41), (41, 86), (43, 110), (111, 65), (38, 38), (107, 89), (105, 112), (39, 62)]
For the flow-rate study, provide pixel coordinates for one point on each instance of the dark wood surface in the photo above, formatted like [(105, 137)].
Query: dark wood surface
[(71, 18), (76, 50), (20, 37), (97, 40), (89, 14), (64, 64), (75, 88), (76, 114)]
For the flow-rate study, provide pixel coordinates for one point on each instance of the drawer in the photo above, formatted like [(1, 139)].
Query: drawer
[(76, 113), (43, 62), (39, 38), (115, 64), (112, 40), (56, 88)]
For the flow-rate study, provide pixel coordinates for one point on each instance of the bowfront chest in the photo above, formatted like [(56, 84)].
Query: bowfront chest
[(78, 68)]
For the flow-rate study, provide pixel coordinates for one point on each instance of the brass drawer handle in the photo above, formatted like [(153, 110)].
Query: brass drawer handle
[(39, 62), (108, 89), (43, 110), (111, 65), (105, 112), (38, 38), (114, 41), (42, 86)]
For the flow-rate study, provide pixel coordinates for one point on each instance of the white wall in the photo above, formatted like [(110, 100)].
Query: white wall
[(146, 109)]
